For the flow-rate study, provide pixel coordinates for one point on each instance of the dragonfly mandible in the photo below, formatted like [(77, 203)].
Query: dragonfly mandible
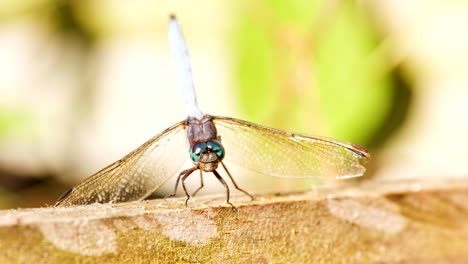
[(213, 140)]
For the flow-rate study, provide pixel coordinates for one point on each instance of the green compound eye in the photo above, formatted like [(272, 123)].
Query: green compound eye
[(196, 151), (216, 147)]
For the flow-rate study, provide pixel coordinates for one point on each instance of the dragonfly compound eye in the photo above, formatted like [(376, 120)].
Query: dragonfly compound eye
[(196, 151), (216, 147)]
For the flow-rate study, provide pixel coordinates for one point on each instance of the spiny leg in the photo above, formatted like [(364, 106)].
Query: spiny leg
[(188, 172), (201, 185), (182, 173), (177, 184), (225, 186), (235, 184)]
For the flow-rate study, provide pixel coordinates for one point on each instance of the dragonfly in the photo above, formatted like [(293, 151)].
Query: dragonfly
[(212, 141)]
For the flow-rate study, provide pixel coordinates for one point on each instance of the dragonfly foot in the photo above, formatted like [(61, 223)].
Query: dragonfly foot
[(232, 206), (246, 193), (172, 195), (186, 201)]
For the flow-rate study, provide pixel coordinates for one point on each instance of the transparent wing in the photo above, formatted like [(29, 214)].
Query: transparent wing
[(284, 154), (136, 175)]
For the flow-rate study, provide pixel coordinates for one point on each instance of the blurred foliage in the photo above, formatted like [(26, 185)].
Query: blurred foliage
[(12, 8), (14, 120), (312, 66)]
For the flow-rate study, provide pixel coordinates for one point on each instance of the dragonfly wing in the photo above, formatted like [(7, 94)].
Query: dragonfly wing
[(284, 154), (137, 175)]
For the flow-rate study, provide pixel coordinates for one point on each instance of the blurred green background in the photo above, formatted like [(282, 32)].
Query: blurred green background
[(82, 83)]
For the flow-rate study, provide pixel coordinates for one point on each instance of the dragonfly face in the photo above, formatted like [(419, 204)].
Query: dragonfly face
[(207, 155)]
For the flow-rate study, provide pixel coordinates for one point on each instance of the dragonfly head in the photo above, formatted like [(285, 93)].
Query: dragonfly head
[(207, 155)]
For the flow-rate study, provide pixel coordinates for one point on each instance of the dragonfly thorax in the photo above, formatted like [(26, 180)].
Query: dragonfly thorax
[(200, 130)]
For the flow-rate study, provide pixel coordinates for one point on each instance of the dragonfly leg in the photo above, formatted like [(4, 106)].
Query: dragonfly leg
[(187, 173), (201, 185), (225, 186), (177, 184), (182, 173), (235, 184)]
